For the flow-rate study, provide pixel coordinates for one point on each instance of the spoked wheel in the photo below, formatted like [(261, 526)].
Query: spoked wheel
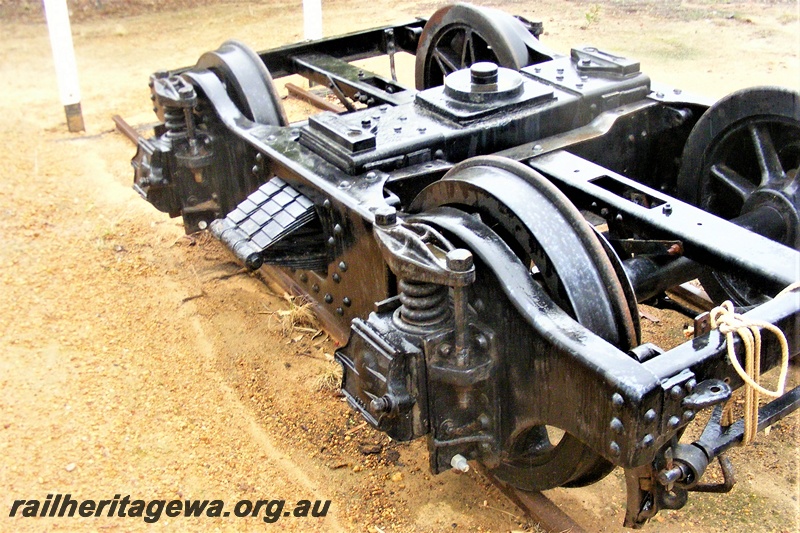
[(247, 80), (742, 161), (561, 251), (459, 35)]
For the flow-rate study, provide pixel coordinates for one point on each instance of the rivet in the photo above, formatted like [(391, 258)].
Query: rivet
[(659, 95), (690, 385), (650, 415), (579, 85), (326, 204), (331, 241), (343, 266), (315, 287), (336, 278), (403, 117), (648, 440), (346, 301), (560, 70), (339, 311), (604, 212), (688, 416), (614, 448), (537, 69), (271, 138), (398, 129), (676, 393), (559, 78), (303, 277), (673, 422), (337, 229), (421, 129), (482, 341), (537, 148), (366, 123), (617, 400), (677, 91), (618, 218), (344, 185), (328, 298), (616, 425), (254, 170), (372, 176), (259, 157), (667, 209)]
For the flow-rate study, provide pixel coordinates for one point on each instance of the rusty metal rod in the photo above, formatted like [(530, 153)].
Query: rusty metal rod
[(126, 129), (536, 506)]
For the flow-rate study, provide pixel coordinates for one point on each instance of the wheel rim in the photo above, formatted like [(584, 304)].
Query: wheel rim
[(536, 460), (247, 80), (457, 36), (741, 162)]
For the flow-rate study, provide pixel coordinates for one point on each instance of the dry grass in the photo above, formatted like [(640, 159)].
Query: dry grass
[(298, 317), (330, 378)]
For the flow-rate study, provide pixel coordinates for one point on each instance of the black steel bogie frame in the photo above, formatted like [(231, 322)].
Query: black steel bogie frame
[(606, 141)]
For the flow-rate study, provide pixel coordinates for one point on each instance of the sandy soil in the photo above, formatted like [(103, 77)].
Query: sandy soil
[(134, 360)]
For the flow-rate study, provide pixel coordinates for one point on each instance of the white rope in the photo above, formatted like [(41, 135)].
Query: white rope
[(749, 330)]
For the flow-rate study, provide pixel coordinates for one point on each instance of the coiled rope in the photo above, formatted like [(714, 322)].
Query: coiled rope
[(749, 330)]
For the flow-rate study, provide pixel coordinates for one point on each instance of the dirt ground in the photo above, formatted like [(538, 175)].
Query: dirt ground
[(135, 360)]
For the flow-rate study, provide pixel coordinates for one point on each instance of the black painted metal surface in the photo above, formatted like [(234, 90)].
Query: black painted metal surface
[(447, 235)]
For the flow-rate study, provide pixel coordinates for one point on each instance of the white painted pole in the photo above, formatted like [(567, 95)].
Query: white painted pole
[(312, 19), (64, 58)]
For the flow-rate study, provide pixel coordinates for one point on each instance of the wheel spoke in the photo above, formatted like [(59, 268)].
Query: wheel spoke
[(468, 50), (733, 181), (768, 161), (445, 63)]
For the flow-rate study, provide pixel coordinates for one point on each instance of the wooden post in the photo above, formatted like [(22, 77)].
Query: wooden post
[(64, 58)]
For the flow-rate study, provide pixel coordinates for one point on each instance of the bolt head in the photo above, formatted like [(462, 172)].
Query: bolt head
[(459, 260), (386, 216)]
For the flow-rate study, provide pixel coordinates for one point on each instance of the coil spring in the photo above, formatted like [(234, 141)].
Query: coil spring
[(423, 304), (175, 122)]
